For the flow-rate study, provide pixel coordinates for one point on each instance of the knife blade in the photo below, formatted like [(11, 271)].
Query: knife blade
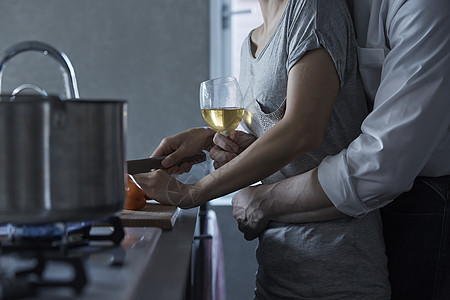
[(147, 164)]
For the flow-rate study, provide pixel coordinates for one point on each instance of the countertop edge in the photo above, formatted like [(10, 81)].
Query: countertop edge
[(167, 273)]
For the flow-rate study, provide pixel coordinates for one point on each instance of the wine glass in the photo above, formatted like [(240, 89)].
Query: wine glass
[(221, 104)]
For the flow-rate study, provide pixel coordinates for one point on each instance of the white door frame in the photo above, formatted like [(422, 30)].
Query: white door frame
[(220, 38)]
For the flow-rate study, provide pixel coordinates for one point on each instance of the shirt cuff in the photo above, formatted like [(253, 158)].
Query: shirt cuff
[(336, 182)]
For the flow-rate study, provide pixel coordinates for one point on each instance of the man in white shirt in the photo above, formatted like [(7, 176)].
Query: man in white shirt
[(403, 152)]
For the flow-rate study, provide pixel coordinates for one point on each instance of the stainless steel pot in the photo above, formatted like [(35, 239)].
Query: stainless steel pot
[(60, 160)]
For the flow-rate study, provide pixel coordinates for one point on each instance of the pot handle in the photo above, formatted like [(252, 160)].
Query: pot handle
[(29, 86), (70, 81)]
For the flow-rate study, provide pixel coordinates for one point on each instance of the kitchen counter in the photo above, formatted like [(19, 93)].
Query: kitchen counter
[(168, 273), (150, 264)]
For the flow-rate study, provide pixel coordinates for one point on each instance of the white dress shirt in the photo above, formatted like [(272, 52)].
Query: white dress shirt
[(404, 53)]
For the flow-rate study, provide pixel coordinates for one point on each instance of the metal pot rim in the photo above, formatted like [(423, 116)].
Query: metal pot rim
[(5, 98)]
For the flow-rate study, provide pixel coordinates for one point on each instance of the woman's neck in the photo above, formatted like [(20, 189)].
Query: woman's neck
[(271, 11)]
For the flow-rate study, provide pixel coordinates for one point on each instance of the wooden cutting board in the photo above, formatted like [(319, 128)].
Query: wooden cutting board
[(152, 215)]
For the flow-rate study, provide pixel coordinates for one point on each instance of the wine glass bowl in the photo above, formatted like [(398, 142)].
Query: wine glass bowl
[(221, 104)]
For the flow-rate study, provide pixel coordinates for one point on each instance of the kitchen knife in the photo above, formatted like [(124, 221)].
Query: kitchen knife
[(147, 164)]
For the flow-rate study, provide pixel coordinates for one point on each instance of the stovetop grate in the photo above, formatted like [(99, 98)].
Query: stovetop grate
[(64, 243)]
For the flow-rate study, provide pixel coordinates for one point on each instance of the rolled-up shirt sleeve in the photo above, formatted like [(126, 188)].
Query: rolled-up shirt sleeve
[(408, 132)]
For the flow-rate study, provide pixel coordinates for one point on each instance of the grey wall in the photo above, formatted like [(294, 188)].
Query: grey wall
[(152, 53)]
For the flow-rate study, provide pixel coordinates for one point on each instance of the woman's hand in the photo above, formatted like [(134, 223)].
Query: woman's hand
[(183, 144), (160, 186), (227, 148)]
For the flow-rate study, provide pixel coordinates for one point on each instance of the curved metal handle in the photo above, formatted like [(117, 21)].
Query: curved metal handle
[(25, 86), (70, 81), (29, 86)]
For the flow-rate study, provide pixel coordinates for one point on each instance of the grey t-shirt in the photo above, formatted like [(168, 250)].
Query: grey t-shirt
[(305, 25), (339, 259)]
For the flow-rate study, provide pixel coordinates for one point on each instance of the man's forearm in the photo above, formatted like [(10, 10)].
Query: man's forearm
[(300, 199)]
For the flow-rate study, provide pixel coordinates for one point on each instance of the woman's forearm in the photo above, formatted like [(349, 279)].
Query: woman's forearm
[(265, 156)]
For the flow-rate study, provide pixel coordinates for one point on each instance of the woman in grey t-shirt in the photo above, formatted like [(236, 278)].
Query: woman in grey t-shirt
[(343, 258), (304, 101)]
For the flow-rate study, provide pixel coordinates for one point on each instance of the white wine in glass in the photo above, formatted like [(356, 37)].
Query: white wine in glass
[(221, 104)]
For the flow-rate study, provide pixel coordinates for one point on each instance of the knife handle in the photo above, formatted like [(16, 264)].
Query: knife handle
[(197, 158), (147, 164)]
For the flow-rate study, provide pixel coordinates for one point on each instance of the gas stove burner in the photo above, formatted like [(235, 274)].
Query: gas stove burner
[(29, 251), (58, 235)]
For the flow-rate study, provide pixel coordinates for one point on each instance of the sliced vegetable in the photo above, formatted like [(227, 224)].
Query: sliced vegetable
[(135, 195)]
